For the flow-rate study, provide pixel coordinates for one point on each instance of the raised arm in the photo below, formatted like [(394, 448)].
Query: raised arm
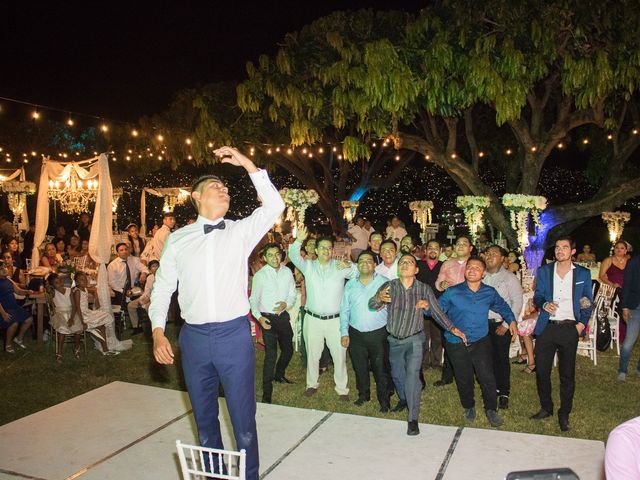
[(294, 250)]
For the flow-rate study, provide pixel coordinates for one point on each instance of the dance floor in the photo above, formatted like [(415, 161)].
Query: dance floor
[(128, 431)]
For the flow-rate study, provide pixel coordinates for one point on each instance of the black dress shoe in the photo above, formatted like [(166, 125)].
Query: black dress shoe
[(563, 420), (400, 406), (412, 428), (503, 402), (384, 408), (284, 380), (266, 398), (360, 401), (540, 415), (442, 383)]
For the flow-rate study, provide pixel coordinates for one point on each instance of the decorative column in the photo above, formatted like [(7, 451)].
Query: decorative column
[(615, 224), (520, 207), (421, 210), (473, 208)]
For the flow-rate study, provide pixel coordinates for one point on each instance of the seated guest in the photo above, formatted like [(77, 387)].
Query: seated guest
[(74, 249), (61, 249), (407, 300), (364, 332), (273, 290), (93, 320), (13, 247), (586, 256), (61, 234), (389, 266), (51, 258), (136, 242), (13, 273), (621, 459), (13, 318), (144, 299), (63, 317), (467, 304), (123, 272)]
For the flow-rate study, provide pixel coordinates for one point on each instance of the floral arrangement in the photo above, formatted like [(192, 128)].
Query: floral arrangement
[(528, 202), (616, 216), (422, 212), (350, 208), (473, 208), (297, 201), (615, 223), (28, 188)]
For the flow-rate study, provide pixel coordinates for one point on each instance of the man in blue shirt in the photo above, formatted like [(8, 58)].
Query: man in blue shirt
[(364, 331), (467, 305)]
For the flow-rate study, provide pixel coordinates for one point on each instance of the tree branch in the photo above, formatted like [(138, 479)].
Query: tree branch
[(471, 138)]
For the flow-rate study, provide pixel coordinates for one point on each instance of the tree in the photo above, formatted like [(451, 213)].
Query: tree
[(426, 82)]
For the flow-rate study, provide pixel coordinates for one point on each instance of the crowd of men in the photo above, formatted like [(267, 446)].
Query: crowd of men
[(395, 313)]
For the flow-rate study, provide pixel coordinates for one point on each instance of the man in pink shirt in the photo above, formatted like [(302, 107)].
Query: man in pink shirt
[(452, 273), (621, 459)]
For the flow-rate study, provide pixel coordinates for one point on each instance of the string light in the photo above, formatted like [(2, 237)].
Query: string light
[(188, 141), (160, 138), (585, 141), (561, 145), (33, 154), (304, 151), (277, 149), (35, 115), (210, 144), (134, 132), (334, 149), (534, 148), (609, 137), (310, 155), (339, 157), (397, 157), (634, 131), (427, 157), (104, 128), (321, 150), (70, 122), (508, 152), (453, 155), (289, 151), (480, 154), (374, 145), (269, 152)]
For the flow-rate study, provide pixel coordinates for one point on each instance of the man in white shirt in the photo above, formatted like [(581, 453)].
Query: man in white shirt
[(123, 272), (153, 248), (396, 231), (273, 290), (360, 237), (209, 259), (144, 299), (324, 281), (389, 266)]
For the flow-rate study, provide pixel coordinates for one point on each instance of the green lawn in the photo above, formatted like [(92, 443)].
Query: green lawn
[(31, 381)]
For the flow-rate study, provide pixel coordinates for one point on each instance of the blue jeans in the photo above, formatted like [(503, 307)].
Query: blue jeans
[(633, 329), (405, 357)]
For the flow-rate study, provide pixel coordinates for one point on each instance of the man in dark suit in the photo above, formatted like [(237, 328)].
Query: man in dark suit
[(563, 295)]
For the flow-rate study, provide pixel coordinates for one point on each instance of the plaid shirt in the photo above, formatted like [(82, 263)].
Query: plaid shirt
[(403, 318)]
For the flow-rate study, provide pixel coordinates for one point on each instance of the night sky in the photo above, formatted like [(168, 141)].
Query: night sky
[(122, 60)]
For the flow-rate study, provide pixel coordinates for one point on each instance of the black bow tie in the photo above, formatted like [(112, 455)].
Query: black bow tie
[(217, 226)]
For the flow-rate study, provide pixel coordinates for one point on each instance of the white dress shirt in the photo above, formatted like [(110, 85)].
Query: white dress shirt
[(324, 283), (117, 272), (563, 294), (270, 286), (391, 272), (212, 268), (153, 248), (361, 237)]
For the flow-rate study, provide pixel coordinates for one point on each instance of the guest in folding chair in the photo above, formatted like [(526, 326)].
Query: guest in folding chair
[(63, 316), (209, 260), (13, 318)]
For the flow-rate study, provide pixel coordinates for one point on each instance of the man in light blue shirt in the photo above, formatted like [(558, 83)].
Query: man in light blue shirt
[(324, 282), (364, 331)]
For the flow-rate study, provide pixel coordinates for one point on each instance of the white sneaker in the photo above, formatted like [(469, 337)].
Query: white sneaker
[(622, 377)]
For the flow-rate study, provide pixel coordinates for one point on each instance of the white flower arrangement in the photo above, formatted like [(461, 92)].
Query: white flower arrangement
[(297, 201), (421, 205), (472, 202), (615, 224), (526, 202), (422, 212), (28, 188), (473, 208), (616, 216)]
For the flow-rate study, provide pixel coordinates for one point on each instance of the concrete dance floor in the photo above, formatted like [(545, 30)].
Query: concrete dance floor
[(128, 431)]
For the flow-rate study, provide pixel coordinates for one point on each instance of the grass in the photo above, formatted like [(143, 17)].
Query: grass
[(31, 381)]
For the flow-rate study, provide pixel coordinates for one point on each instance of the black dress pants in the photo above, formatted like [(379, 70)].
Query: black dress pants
[(465, 360), (447, 370), (433, 344), (280, 334), (368, 349), (561, 338), (501, 345)]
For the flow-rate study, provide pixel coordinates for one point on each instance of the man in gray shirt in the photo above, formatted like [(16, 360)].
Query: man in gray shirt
[(508, 286)]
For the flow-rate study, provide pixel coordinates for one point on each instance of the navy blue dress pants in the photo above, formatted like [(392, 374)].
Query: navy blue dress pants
[(222, 352)]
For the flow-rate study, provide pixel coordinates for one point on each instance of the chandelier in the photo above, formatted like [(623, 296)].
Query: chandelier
[(73, 195)]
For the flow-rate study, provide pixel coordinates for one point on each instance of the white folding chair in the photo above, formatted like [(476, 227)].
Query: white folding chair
[(614, 323), (194, 461)]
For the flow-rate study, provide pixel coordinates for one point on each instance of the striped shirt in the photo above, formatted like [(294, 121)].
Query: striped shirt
[(404, 319)]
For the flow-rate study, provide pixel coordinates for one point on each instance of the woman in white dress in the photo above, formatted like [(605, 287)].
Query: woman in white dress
[(93, 320), (63, 317)]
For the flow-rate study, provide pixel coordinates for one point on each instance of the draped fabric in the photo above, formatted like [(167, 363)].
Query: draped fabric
[(178, 192)]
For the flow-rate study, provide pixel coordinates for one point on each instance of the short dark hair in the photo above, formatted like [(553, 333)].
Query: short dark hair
[(306, 242), (407, 255), (476, 258), (118, 245), (389, 241), (566, 238), (51, 278), (153, 263), (375, 233), (409, 236), (272, 245), (433, 240), (199, 181), (503, 252), (168, 215), (368, 253), (324, 238), (464, 236)]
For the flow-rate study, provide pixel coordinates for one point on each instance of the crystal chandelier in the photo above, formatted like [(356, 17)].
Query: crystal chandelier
[(73, 195)]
